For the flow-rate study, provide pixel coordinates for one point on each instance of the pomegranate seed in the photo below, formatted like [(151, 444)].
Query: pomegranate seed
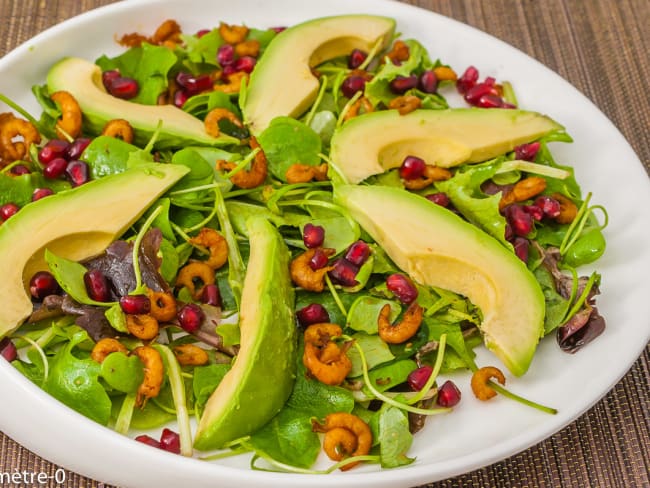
[(8, 210), (505, 104), (170, 441), (402, 287), (508, 234), (319, 260), (344, 272), (535, 212), (467, 80), (148, 440), (78, 172), (490, 81), (521, 248), (76, 148), (108, 77), (527, 152), (412, 168), (55, 168), (489, 101), (53, 149), (418, 378), (478, 91), (202, 32), (277, 30), (358, 253), (124, 88), (314, 313), (439, 198), (448, 394), (521, 222), (194, 84), (19, 169), (245, 64), (356, 59), (211, 295), (227, 71), (97, 286), (353, 84), (135, 304), (428, 81), (226, 55), (550, 206), (41, 193), (8, 349), (43, 284), (402, 84), (180, 97), (313, 235), (190, 317)]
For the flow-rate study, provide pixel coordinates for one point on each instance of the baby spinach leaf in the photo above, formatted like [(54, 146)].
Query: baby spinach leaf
[(107, 155), (116, 318), (121, 372), (364, 312), (455, 338), (170, 261), (375, 350), (394, 437)]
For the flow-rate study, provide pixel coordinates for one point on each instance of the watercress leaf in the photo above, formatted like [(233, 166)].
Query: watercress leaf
[(170, 261), (375, 350), (121, 372), (229, 333), (394, 437), (339, 234), (386, 377), (19, 189), (455, 338), (116, 318), (32, 371), (556, 305), (107, 155), (364, 312), (201, 173), (203, 50)]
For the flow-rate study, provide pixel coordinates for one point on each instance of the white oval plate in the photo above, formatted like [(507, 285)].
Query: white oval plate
[(475, 434)]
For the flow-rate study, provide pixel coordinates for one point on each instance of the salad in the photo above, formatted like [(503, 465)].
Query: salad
[(265, 284)]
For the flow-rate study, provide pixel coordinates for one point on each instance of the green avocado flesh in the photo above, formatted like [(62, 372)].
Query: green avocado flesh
[(83, 80), (262, 376), (438, 248), (282, 82), (75, 224), (373, 143)]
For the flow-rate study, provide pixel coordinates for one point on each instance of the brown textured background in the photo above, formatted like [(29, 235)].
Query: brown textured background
[(599, 46)]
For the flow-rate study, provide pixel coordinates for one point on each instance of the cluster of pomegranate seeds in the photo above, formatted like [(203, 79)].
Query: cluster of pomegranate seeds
[(211, 295), (43, 284), (356, 58), (402, 287), (120, 86), (418, 378), (97, 286), (527, 152), (61, 158), (135, 304), (190, 85), (8, 349), (439, 198), (484, 94), (319, 260), (169, 441), (412, 168), (190, 317), (313, 313), (448, 394), (8, 210), (313, 235)]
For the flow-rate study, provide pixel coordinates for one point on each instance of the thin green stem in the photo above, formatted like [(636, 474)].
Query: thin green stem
[(500, 389), (335, 295), (319, 99), (123, 421), (243, 163)]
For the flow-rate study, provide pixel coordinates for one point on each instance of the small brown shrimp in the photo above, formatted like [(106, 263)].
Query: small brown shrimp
[(332, 372), (346, 435), (211, 121), (232, 34), (119, 128), (399, 52), (168, 31), (153, 374), (190, 355), (568, 209), (304, 276), (233, 85), (69, 125), (195, 276), (303, 173), (106, 346), (405, 104), (402, 331), (215, 243), (163, 306), (320, 334), (253, 177), (142, 326), (11, 128), (248, 48), (445, 73), (481, 376), (431, 173)]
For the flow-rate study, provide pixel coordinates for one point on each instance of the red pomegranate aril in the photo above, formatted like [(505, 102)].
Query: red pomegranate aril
[(180, 97), (353, 84), (190, 317), (170, 441), (135, 304), (55, 168), (78, 172), (194, 85), (519, 219), (439, 198), (358, 253), (245, 64), (211, 295), (428, 81), (148, 440), (97, 285), (43, 284), (402, 287), (76, 148), (313, 313), (550, 206), (489, 101), (55, 148), (535, 212), (319, 260), (508, 233), (521, 245), (19, 169), (344, 272), (226, 55), (402, 84), (8, 349), (8, 210), (478, 91), (313, 235), (109, 76), (448, 394), (527, 152), (124, 88), (227, 71), (278, 29), (467, 80), (356, 59), (202, 32), (412, 168), (418, 378), (41, 193)]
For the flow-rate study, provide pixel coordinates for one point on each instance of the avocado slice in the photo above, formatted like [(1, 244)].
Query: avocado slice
[(83, 80), (373, 143), (76, 224), (282, 82), (262, 376), (438, 248)]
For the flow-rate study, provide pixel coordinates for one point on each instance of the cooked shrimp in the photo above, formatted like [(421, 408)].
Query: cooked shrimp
[(481, 376), (431, 173), (142, 326), (303, 173), (106, 346), (69, 125), (349, 436), (304, 276), (253, 177), (12, 128), (332, 372), (163, 305), (120, 129), (195, 276), (190, 355), (211, 121), (215, 243), (402, 331), (153, 374)]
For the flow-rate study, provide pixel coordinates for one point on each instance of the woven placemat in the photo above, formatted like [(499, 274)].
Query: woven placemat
[(599, 46)]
